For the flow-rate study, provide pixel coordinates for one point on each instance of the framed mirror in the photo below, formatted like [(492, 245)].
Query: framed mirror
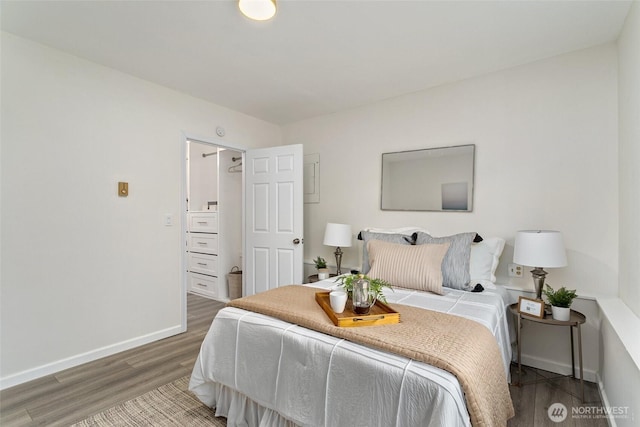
[(433, 179)]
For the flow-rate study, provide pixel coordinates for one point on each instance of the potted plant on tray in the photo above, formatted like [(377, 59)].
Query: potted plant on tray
[(321, 266), (375, 285), (560, 301)]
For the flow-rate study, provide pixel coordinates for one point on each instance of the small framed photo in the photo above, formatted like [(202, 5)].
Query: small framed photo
[(531, 307)]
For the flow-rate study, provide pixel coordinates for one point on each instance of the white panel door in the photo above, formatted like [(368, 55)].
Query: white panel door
[(273, 218)]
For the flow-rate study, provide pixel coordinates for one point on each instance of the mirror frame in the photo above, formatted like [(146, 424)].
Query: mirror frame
[(433, 150)]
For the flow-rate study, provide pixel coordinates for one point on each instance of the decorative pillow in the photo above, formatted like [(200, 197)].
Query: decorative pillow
[(366, 236), (455, 266), (408, 266), (484, 260)]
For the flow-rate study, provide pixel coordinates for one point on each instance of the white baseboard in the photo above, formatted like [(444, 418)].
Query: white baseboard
[(558, 368), (605, 401), (90, 356)]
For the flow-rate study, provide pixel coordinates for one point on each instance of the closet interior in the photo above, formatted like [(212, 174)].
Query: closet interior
[(214, 220)]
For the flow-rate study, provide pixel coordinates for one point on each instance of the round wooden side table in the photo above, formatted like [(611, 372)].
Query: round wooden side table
[(575, 320), (314, 278)]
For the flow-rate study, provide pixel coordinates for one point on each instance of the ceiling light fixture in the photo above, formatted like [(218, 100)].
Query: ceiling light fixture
[(258, 10)]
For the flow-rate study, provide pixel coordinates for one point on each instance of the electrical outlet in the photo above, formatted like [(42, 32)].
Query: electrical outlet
[(168, 220), (515, 270)]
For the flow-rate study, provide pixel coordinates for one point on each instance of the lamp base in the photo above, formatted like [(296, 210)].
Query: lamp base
[(538, 281), (338, 254)]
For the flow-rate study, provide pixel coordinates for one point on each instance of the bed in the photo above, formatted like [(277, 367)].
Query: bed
[(258, 370)]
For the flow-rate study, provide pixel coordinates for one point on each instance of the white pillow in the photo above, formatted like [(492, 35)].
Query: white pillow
[(484, 260)]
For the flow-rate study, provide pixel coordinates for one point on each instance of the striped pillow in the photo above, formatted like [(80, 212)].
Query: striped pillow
[(408, 266), (366, 236)]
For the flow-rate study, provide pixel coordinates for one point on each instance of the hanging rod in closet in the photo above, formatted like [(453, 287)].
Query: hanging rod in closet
[(209, 154)]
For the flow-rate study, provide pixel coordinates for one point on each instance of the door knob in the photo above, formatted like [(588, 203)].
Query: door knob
[(296, 241)]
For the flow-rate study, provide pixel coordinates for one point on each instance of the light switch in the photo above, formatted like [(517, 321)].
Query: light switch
[(123, 189)]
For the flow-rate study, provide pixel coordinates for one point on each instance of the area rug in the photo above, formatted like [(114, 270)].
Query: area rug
[(169, 405)]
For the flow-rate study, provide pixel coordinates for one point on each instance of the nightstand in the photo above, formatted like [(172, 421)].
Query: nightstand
[(575, 320), (314, 278)]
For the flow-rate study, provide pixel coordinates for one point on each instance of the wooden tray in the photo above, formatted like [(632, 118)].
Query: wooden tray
[(380, 313)]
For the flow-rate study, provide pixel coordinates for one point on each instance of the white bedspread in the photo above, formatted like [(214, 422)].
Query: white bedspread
[(257, 370)]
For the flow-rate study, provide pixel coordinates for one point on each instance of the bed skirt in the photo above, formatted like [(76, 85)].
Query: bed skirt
[(237, 408)]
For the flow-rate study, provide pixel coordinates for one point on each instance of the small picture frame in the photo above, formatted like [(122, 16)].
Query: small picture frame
[(531, 307)]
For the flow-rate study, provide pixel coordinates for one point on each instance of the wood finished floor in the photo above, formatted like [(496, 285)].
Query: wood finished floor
[(74, 394), (531, 401)]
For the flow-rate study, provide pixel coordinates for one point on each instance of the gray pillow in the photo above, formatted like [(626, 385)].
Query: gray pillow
[(365, 236), (455, 265)]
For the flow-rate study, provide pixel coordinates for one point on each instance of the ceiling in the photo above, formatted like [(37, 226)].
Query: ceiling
[(314, 57)]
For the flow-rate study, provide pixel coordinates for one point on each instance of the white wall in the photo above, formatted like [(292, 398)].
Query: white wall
[(620, 352), (619, 372), (85, 272), (629, 111), (203, 176), (546, 157)]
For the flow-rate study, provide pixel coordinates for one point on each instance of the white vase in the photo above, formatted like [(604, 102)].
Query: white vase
[(323, 273), (561, 313)]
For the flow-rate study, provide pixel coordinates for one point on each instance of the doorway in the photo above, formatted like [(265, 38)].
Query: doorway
[(213, 218)]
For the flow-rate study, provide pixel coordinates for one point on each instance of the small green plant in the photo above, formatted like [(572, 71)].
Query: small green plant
[(320, 263), (561, 298), (376, 285)]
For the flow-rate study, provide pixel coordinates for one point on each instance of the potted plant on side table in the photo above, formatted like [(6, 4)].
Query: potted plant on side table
[(560, 301), (321, 266)]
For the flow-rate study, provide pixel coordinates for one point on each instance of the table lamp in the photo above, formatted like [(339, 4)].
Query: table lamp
[(338, 235), (539, 249)]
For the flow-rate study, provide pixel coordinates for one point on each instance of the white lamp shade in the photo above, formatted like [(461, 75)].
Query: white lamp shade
[(259, 10), (539, 248), (337, 235)]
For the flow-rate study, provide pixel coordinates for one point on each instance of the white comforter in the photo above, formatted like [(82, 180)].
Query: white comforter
[(257, 370)]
